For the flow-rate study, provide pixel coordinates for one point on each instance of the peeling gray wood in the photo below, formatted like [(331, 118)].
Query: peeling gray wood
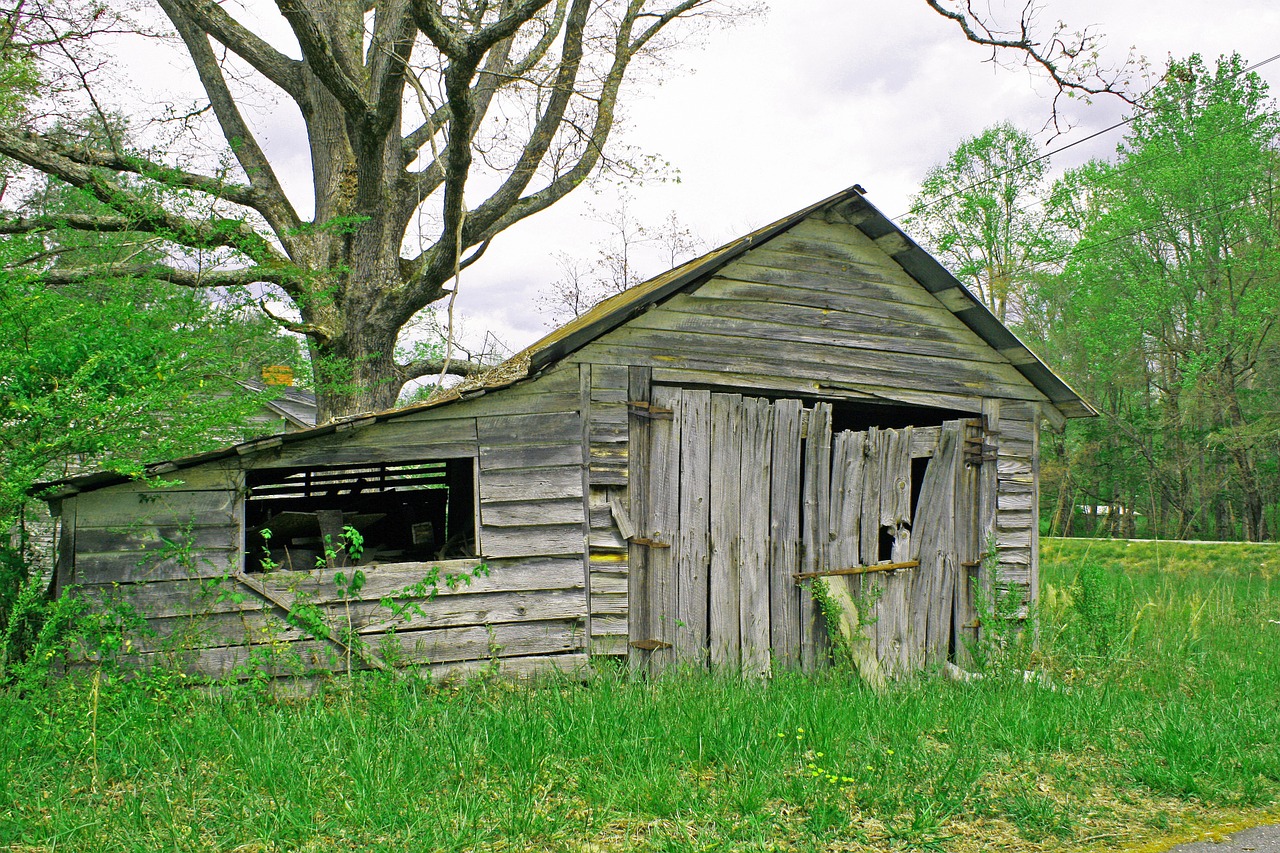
[(693, 560), (784, 534), (725, 585), (757, 448), (664, 526), (639, 592), (816, 503)]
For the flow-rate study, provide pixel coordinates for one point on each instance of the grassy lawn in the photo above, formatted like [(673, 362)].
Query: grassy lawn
[(1164, 715)]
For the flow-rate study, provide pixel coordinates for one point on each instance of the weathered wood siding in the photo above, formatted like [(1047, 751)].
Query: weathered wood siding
[(1018, 497), (176, 553), (820, 310), (524, 612)]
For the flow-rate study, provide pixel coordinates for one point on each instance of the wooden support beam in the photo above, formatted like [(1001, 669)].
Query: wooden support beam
[(857, 570)]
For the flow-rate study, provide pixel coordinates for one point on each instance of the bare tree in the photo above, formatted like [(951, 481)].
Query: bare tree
[(433, 125), (631, 251)]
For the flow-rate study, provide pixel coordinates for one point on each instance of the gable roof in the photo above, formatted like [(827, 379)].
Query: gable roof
[(849, 206)]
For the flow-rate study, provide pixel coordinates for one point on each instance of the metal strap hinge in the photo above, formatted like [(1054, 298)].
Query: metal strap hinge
[(644, 409)]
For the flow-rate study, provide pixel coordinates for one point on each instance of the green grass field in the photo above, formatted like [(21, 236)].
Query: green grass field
[(1164, 715)]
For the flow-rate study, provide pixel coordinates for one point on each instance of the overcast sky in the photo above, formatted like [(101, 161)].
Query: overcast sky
[(776, 113)]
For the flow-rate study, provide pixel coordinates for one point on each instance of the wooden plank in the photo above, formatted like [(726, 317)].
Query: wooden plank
[(835, 544), (585, 410), (486, 642), (693, 559), (988, 494), (141, 538), (784, 534), (638, 608), (785, 357), (933, 544), (664, 524), (608, 378), (186, 598), (522, 484), (572, 665), (814, 523), (726, 286), (533, 540), (536, 429), (769, 383), (161, 564), (724, 628), (607, 605), (753, 555), (967, 548), (869, 533), (894, 630), (858, 282), (504, 457), (824, 329), (115, 508), (621, 517)]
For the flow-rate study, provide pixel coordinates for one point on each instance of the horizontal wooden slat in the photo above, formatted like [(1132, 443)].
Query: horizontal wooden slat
[(559, 427), (519, 484), (190, 597), (769, 362), (110, 507), (531, 512), (548, 455), (128, 567), (551, 539), (140, 538)]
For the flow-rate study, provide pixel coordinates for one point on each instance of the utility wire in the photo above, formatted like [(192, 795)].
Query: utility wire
[(1017, 167)]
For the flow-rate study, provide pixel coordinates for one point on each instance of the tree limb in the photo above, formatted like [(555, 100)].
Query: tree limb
[(431, 367), (322, 58), (272, 202), (86, 155), (146, 215), (1058, 58), (173, 275), (212, 19)]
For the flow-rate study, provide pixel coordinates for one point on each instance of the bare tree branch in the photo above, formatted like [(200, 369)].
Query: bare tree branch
[(163, 272), (1068, 60), (322, 57), (265, 59), (432, 367), (271, 200)]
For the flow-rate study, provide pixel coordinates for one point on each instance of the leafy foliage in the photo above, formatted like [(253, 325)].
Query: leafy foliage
[(977, 213), (1164, 315)]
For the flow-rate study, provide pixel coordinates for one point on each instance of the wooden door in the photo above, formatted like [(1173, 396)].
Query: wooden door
[(741, 494)]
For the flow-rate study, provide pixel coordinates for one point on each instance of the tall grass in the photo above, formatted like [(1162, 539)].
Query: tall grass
[(1164, 708)]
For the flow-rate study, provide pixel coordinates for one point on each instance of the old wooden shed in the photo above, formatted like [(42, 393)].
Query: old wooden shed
[(818, 397)]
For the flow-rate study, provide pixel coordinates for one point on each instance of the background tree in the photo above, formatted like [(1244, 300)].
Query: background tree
[(980, 212), (630, 252), (1165, 310), (433, 125)]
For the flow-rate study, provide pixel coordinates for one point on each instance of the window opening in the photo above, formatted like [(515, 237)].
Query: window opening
[(411, 511)]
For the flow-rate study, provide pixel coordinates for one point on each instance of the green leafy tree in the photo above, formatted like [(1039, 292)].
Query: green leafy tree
[(1166, 308), (979, 211)]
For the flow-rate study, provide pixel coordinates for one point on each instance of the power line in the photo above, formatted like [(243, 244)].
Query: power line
[(1017, 167)]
